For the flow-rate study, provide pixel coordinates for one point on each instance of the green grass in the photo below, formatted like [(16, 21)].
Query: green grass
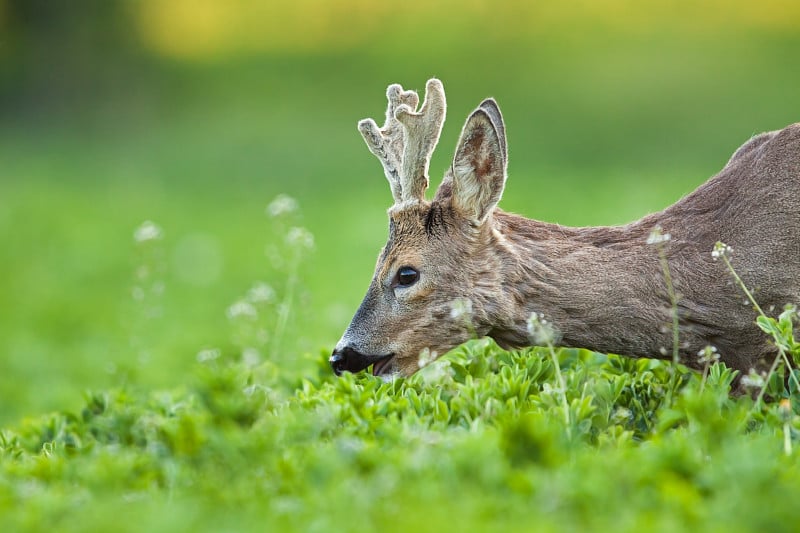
[(602, 129), (475, 441)]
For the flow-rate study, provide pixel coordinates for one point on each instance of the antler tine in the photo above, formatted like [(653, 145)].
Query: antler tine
[(422, 134), (406, 141), (387, 143)]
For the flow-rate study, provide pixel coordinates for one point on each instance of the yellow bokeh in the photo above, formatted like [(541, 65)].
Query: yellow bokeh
[(202, 29), (208, 29)]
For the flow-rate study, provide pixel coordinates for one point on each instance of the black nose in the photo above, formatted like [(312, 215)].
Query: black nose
[(338, 361), (350, 360)]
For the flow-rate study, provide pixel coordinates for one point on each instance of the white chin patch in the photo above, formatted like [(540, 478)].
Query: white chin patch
[(389, 377)]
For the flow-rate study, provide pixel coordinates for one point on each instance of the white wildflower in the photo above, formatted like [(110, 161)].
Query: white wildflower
[(708, 355), (242, 308), (550, 390), (753, 380), (461, 308), (300, 238), (261, 293), (540, 331), (148, 231), (657, 236), (282, 205), (437, 372), (621, 415), (721, 250), (251, 357), (426, 357), (210, 354)]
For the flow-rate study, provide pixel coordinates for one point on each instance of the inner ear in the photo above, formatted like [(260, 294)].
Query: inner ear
[(479, 165)]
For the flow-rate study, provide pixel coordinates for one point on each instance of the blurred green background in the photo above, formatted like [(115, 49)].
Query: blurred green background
[(195, 114)]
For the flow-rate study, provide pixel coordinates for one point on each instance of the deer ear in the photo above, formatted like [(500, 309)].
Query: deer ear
[(479, 166)]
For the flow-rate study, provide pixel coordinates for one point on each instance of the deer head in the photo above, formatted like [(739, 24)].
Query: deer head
[(458, 266), (435, 278)]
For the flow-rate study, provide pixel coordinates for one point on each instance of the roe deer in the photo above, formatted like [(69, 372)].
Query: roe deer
[(602, 288)]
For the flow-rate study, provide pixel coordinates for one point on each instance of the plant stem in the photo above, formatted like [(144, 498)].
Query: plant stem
[(704, 377), (285, 306), (787, 439), (562, 387), (742, 285), (766, 381), (781, 351), (673, 300)]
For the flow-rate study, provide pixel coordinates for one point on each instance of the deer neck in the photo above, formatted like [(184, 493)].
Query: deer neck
[(601, 288)]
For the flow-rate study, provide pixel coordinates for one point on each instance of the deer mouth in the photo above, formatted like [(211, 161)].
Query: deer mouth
[(350, 360), (383, 365)]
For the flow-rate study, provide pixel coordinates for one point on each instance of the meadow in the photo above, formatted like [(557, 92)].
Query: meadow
[(165, 325)]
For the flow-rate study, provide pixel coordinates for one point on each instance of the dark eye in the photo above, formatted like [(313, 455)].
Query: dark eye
[(406, 276)]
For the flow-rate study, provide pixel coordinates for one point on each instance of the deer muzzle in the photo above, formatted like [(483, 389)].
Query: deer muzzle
[(349, 360)]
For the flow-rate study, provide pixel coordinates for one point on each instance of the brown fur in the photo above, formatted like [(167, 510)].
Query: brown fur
[(603, 288)]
